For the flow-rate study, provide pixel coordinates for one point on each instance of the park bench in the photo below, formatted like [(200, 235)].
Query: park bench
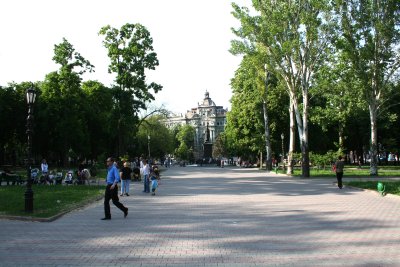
[(9, 177)]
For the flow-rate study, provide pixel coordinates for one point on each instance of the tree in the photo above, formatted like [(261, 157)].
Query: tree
[(130, 50), (245, 120), (161, 138), (296, 37), (60, 120), (185, 135), (97, 111), (338, 100), (12, 121), (370, 39), (219, 146)]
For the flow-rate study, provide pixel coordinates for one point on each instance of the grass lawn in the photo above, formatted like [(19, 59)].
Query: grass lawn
[(353, 171), (391, 187), (48, 200)]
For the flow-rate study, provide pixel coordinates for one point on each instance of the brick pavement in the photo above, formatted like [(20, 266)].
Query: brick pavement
[(218, 217)]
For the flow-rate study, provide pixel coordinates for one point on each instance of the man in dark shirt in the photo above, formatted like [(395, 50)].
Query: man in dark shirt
[(339, 166), (125, 173)]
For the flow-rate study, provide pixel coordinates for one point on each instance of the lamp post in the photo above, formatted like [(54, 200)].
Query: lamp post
[(148, 144), (283, 152), (30, 98)]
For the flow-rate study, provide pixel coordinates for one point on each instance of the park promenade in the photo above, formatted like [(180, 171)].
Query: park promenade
[(209, 216)]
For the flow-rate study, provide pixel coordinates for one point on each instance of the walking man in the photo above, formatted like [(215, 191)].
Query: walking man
[(339, 166), (112, 190)]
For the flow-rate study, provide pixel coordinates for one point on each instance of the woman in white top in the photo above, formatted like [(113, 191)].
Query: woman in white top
[(44, 167)]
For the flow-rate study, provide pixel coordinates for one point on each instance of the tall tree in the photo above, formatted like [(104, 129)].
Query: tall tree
[(245, 123), (97, 111), (12, 122), (131, 53), (185, 135), (296, 36), (61, 122), (371, 39)]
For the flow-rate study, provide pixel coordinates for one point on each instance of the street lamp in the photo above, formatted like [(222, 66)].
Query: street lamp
[(30, 99), (283, 151), (148, 144)]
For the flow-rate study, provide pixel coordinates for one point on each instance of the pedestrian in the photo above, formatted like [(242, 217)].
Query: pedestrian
[(126, 176), (44, 167), (154, 182), (146, 174), (111, 192), (80, 174), (339, 166), (45, 172)]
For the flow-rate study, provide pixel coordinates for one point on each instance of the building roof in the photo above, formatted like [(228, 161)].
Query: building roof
[(207, 102)]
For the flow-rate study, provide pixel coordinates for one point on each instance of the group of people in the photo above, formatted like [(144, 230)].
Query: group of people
[(124, 175)]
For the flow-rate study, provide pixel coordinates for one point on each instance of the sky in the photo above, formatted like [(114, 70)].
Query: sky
[(191, 39)]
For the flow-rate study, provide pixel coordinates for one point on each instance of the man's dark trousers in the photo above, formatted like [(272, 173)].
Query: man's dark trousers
[(339, 176), (112, 194)]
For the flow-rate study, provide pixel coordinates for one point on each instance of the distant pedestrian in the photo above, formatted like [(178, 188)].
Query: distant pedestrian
[(146, 175), (126, 176), (339, 166), (44, 167), (44, 179), (154, 182), (112, 190)]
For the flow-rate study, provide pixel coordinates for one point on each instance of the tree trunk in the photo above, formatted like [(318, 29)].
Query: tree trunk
[(304, 140), (341, 138), (267, 139), (374, 141), (292, 139)]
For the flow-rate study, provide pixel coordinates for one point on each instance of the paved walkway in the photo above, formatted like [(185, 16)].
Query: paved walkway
[(218, 217)]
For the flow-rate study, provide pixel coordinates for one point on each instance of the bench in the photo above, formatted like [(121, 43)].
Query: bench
[(6, 175)]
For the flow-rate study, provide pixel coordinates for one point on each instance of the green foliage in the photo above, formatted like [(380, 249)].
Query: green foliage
[(161, 138), (185, 136), (369, 39), (61, 125), (182, 152), (12, 122), (295, 37), (323, 161), (131, 53), (220, 146)]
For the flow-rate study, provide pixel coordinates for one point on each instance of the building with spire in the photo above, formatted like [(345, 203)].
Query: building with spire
[(208, 120)]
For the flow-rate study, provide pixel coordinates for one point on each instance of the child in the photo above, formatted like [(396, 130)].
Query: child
[(154, 183)]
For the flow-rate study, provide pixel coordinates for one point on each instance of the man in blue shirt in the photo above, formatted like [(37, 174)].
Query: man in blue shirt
[(112, 190)]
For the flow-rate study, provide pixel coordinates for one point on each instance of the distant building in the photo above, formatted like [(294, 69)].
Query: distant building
[(206, 113)]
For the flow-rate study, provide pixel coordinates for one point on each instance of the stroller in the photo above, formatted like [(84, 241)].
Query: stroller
[(35, 175), (69, 177), (55, 178)]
